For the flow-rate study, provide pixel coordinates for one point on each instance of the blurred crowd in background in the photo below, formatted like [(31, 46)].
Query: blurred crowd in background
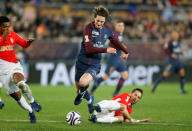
[(161, 17)]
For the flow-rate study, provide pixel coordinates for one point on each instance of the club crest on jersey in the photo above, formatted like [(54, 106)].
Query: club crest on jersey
[(86, 38), (11, 39)]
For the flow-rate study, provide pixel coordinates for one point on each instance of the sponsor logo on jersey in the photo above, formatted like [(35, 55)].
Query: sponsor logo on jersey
[(98, 44), (6, 48)]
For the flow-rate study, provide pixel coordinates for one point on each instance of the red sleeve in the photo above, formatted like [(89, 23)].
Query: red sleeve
[(88, 41), (114, 41), (167, 48), (22, 42)]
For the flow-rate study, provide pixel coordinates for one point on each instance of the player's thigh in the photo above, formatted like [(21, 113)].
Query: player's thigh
[(182, 72), (109, 105), (168, 69), (105, 76), (124, 75), (166, 74), (109, 69), (17, 73), (85, 79), (8, 84)]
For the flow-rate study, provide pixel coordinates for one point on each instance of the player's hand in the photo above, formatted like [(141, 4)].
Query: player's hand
[(111, 50), (5, 34), (124, 56), (30, 40), (146, 120), (174, 56)]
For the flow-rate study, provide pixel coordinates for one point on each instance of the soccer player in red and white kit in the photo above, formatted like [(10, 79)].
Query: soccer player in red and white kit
[(118, 109), (11, 71)]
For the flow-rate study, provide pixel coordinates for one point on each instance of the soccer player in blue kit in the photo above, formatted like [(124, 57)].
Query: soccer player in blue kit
[(173, 50), (114, 62), (88, 62)]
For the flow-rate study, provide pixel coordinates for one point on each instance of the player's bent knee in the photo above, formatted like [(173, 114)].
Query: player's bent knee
[(24, 87), (17, 77), (83, 83)]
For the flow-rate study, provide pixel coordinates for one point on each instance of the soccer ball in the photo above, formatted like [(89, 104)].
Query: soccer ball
[(73, 118)]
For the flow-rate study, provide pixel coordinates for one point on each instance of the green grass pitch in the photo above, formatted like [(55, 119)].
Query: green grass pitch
[(168, 109)]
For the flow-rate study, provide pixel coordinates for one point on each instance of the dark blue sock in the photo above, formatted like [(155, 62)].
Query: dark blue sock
[(119, 85), (160, 79), (85, 93), (182, 83), (96, 84)]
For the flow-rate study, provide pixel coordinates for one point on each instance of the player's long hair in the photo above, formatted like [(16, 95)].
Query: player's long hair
[(101, 11)]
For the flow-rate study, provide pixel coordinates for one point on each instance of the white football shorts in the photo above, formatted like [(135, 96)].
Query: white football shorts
[(7, 69), (108, 108)]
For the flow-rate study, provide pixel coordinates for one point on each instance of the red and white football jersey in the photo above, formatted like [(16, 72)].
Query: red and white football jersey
[(7, 46), (123, 99)]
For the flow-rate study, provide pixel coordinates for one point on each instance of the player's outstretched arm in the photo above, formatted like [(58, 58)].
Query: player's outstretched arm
[(138, 121)]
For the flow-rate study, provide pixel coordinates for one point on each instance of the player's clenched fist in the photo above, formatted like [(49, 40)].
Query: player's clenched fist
[(30, 40), (124, 56), (111, 50)]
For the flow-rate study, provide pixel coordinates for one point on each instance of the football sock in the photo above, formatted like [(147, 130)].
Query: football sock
[(160, 79), (119, 86), (26, 90), (96, 84), (83, 91), (107, 119), (22, 102), (182, 83)]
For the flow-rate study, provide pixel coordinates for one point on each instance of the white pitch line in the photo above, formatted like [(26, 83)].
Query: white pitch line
[(41, 121), (54, 121), (166, 124)]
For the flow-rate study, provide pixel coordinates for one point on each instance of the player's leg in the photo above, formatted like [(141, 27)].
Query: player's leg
[(23, 104), (168, 69), (159, 80), (182, 80), (84, 81), (105, 112), (124, 76), (1, 102), (98, 81), (106, 119), (19, 81)]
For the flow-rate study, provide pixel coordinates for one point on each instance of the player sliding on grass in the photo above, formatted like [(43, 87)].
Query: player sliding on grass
[(88, 62), (11, 71), (118, 109), (114, 62), (174, 52)]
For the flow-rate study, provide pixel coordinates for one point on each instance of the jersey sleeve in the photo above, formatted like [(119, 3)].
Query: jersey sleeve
[(22, 42), (116, 43), (167, 48), (88, 42)]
